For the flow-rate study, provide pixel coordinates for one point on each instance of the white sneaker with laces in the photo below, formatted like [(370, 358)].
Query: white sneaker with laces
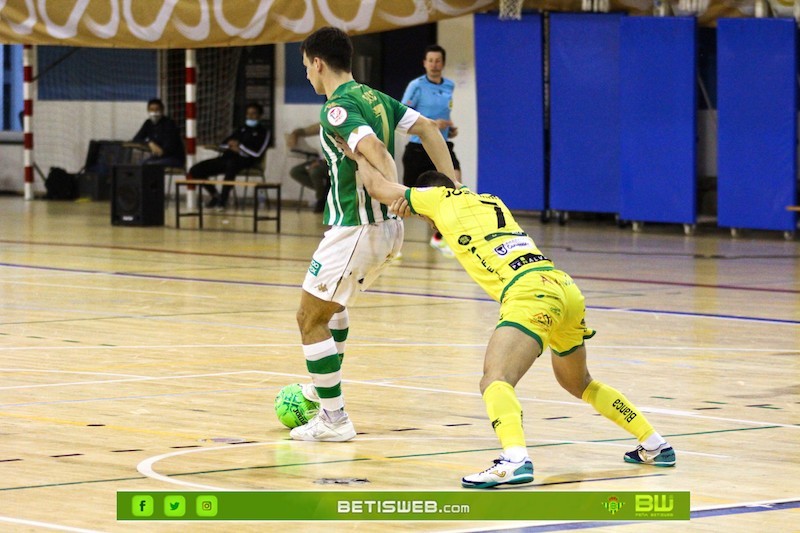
[(310, 392), (441, 245), (322, 429), (502, 472)]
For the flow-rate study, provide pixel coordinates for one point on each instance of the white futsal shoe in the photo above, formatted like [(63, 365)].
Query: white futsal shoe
[(322, 429)]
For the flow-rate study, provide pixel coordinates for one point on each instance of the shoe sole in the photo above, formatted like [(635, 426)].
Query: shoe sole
[(662, 464), (339, 438), (520, 480)]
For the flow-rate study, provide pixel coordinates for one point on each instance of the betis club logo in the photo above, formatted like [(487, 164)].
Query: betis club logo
[(613, 505)]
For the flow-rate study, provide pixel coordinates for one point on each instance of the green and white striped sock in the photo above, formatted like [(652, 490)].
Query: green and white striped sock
[(340, 327), (325, 366)]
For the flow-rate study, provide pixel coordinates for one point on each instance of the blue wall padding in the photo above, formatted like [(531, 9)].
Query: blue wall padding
[(100, 74), (657, 119), (584, 117), (757, 110), (508, 63)]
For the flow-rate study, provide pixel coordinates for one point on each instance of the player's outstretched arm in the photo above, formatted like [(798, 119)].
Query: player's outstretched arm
[(375, 151), (434, 145), (377, 186)]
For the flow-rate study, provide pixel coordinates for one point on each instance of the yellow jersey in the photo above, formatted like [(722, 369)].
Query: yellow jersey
[(482, 233)]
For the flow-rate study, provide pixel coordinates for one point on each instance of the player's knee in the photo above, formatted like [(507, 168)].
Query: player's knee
[(304, 320), (307, 319), (575, 386)]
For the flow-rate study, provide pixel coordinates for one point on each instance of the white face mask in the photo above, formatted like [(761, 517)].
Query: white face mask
[(155, 117), (251, 122)]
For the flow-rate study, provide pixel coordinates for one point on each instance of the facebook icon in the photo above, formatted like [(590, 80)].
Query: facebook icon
[(142, 505)]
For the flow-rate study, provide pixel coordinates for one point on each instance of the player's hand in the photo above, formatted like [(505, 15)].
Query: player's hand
[(453, 132), (400, 208), (345, 148), (443, 124), (156, 149)]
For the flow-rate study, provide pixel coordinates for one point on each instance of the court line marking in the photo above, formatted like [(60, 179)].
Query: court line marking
[(37, 371), (389, 345), (568, 249), (672, 412), (99, 382), (450, 297), (47, 525), (389, 384), (147, 466), (111, 289), (696, 514)]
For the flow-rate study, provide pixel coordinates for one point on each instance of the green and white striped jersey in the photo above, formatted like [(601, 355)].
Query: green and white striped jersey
[(353, 112)]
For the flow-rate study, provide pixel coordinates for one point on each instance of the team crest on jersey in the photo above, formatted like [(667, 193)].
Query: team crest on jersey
[(337, 116), (464, 240)]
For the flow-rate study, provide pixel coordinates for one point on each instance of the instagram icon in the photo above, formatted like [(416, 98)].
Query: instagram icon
[(206, 505)]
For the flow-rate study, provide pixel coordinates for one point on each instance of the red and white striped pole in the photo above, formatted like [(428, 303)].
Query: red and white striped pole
[(191, 119), (27, 117)]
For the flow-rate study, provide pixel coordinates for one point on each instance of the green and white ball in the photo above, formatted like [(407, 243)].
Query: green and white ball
[(292, 408)]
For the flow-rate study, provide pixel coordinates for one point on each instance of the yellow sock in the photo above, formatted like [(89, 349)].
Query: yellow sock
[(613, 405), (505, 412)]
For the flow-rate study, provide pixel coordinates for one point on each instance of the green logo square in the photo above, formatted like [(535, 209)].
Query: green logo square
[(314, 267), (142, 505), (174, 505), (207, 505)]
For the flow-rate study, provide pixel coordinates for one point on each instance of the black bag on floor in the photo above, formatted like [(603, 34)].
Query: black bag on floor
[(61, 185)]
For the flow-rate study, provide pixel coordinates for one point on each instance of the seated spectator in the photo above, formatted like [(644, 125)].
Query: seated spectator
[(162, 137), (314, 172), (242, 149)]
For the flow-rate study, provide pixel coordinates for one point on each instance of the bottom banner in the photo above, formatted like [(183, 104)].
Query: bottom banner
[(361, 505)]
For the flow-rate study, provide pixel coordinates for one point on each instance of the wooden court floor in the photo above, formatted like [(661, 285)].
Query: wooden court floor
[(148, 359)]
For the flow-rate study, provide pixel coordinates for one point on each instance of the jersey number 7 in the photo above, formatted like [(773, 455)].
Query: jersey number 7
[(501, 219)]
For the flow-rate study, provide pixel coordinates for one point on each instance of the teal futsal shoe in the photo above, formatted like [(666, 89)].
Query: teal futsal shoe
[(502, 472), (664, 455)]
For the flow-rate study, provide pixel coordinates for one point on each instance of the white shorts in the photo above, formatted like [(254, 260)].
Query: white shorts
[(350, 258)]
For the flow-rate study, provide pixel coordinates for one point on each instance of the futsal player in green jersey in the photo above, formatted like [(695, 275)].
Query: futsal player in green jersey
[(363, 237), (540, 306)]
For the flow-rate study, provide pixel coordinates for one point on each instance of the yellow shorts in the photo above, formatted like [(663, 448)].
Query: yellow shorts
[(548, 306)]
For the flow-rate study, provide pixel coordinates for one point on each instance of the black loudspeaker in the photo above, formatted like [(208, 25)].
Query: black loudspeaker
[(137, 196), (101, 158)]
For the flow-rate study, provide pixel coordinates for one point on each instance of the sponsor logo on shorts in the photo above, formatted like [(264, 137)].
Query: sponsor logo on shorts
[(314, 268), (513, 244), (322, 287), (543, 319), (526, 259), (337, 115)]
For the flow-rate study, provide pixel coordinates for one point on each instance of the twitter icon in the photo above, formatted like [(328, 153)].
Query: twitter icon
[(174, 505)]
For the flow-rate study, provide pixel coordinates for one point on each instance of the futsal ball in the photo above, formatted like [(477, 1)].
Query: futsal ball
[(292, 408)]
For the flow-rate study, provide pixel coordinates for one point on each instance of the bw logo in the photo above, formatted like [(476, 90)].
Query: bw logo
[(659, 503)]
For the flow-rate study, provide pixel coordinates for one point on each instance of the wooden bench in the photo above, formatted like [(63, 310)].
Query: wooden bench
[(256, 186)]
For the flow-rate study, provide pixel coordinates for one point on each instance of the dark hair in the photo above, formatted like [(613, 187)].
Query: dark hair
[(331, 45), (435, 48), (156, 101), (258, 107), (432, 178)]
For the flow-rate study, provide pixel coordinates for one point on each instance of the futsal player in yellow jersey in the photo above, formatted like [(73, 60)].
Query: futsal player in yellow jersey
[(540, 306)]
